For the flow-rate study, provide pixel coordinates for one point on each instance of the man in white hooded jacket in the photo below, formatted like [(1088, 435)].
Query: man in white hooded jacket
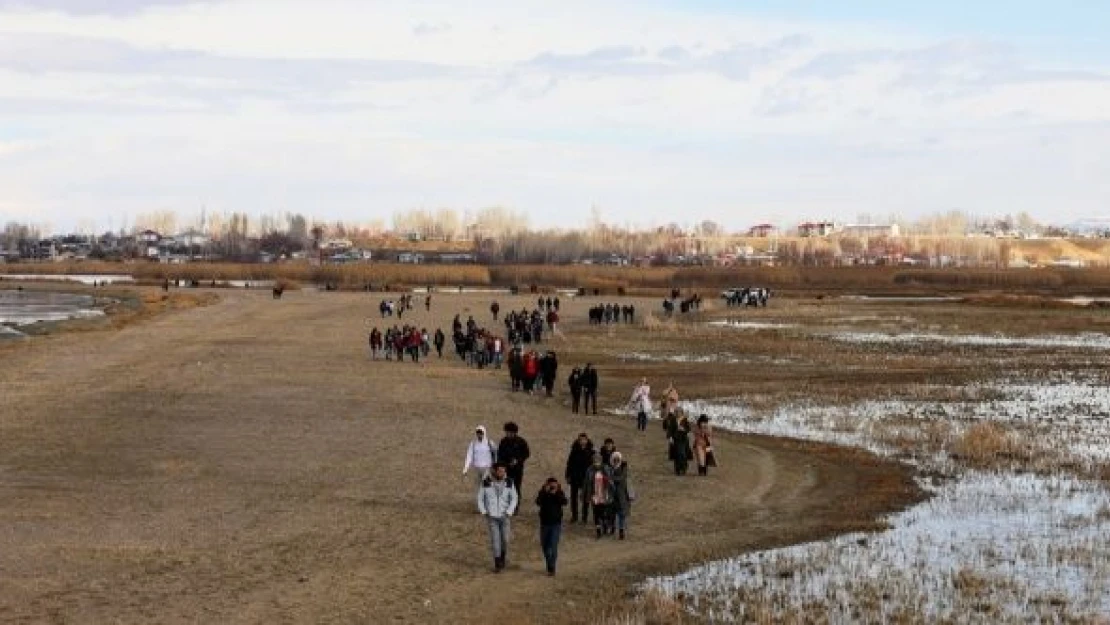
[(481, 453), (497, 501)]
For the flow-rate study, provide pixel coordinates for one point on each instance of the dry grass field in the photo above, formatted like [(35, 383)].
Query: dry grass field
[(245, 462)]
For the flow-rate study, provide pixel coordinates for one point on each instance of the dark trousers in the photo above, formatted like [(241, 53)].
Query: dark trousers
[(681, 462), (641, 421), (575, 401), (602, 520), (549, 542), (578, 496), (516, 474), (591, 400)]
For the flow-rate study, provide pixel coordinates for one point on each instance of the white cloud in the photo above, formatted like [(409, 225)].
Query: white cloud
[(354, 109)]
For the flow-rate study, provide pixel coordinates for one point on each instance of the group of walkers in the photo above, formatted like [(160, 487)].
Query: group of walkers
[(528, 327), (690, 304), (389, 308), (526, 368), (599, 481), (612, 313), (406, 340), (583, 383)]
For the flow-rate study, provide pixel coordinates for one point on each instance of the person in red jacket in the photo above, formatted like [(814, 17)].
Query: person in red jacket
[(531, 370)]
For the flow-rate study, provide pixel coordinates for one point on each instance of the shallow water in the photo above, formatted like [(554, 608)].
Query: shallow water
[(20, 308), (1036, 540), (87, 279)]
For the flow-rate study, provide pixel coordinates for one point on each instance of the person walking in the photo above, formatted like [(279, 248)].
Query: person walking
[(513, 452), (428, 302), (497, 350), (623, 493), (608, 446), (575, 384), (551, 501), (641, 403), (516, 368), (579, 459), (439, 340), (497, 501), (599, 492), (480, 456), (549, 368), (589, 388), (375, 343), (703, 445), (670, 423), (680, 444), (531, 367), (495, 308)]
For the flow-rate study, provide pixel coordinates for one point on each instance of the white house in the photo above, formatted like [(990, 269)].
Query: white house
[(816, 229), (870, 230)]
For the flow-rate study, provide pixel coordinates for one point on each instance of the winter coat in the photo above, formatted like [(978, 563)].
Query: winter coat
[(531, 367), (606, 454), (623, 493), (497, 499), (681, 443), (702, 437), (549, 367), (575, 382), (478, 453), (589, 488), (578, 462), (513, 448), (551, 506), (641, 399), (589, 380)]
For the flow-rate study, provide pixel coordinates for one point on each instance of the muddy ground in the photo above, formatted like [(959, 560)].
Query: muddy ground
[(246, 462)]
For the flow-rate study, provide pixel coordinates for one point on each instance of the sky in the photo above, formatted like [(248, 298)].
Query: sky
[(652, 111)]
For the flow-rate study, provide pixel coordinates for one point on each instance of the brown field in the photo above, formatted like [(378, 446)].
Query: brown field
[(244, 462)]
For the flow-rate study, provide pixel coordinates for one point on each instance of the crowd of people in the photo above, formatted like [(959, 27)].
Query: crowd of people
[(604, 314), (390, 308), (398, 342), (597, 481)]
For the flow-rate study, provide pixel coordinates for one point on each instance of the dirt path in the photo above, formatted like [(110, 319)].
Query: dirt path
[(246, 463)]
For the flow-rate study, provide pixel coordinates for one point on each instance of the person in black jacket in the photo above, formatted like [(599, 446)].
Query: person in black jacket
[(578, 462), (513, 452), (589, 388), (439, 340), (575, 384), (549, 366), (551, 501)]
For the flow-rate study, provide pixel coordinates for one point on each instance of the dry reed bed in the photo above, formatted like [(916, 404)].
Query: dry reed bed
[(612, 279)]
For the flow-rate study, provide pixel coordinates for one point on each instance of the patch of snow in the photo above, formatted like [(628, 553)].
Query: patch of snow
[(1034, 543), (81, 278), (752, 325), (1090, 340)]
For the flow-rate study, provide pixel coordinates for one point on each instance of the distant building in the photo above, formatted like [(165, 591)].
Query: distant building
[(870, 230), (762, 231), (337, 244), (410, 258), (457, 258), (148, 237), (816, 229)]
